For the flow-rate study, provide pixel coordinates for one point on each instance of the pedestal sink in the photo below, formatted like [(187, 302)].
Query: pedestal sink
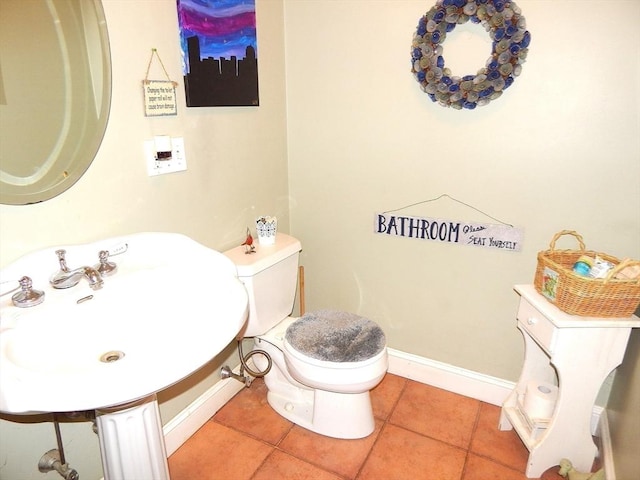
[(172, 305)]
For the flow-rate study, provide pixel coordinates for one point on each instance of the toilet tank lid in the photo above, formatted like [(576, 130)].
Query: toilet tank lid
[(265, 256)]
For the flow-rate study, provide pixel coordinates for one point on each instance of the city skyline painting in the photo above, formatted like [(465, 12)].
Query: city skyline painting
[(219, 52)]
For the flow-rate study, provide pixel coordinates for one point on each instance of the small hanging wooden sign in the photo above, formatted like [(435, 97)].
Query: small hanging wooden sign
[(159, 95), (159, 98), (484, 235)]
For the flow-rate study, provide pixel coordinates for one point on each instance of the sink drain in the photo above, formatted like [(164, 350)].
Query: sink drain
[(112, 356)]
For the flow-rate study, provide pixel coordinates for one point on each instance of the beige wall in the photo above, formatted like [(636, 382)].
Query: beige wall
[(237, 170), (558, 150)]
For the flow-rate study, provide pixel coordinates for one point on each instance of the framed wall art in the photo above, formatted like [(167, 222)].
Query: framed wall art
[(219, 52)]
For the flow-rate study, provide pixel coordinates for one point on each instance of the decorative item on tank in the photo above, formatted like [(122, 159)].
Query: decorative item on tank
[(267, 228), (249, 247), (506, 26)]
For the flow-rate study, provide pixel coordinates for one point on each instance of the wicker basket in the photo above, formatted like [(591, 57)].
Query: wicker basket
[(578, 295)]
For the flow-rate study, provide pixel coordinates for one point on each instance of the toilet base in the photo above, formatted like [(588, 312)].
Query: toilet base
[(337, 415)]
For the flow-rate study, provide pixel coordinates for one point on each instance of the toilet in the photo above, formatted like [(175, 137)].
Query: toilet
[(324, 363)]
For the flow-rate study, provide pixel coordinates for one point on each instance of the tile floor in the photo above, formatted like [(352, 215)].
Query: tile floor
[(422, 433)]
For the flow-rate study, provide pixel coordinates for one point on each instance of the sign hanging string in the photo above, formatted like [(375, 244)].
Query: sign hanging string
[(154, 52), (455, 200)]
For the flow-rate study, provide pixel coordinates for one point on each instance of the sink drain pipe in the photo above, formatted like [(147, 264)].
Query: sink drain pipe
[(55, 460)]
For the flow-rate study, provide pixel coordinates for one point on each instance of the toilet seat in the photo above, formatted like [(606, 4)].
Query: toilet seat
[(334, 336), (336, 351)]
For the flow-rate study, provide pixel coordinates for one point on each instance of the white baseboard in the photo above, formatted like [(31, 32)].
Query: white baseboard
[(448, 377), (458, 380), (605, 448), (442, 375), (181, 427)]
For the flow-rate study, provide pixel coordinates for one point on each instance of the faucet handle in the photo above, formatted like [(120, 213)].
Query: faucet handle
[(27, 297), (105, 267), (62, 260)]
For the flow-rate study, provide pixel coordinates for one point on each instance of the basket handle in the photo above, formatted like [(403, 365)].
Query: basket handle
[(627, 262), (552, 245)]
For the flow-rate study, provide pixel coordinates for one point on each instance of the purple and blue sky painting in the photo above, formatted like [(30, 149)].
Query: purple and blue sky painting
[(224, 27)]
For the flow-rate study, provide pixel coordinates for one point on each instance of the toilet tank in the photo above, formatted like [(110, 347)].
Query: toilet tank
[(270, 276)]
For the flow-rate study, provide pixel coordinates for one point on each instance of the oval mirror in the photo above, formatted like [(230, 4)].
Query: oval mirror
[(55, 94)]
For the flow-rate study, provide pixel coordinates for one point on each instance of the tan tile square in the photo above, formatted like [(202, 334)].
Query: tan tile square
[(504, 447), (437, 413), (400, 454), (386, 394), (216, 452), (344, 457), (479, 468), (419, 443), (250, 413), (282, 466)]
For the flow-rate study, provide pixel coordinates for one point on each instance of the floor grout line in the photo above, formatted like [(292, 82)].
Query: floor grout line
[(389, 405), (473, 433)]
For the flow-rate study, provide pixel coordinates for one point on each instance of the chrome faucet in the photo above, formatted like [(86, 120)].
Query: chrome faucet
[(66, 278)]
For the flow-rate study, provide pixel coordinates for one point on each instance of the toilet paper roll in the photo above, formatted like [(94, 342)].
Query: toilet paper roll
[(540, 399)]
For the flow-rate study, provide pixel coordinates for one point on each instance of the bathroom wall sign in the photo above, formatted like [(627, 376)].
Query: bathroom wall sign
[(484, 235), (159, 98)]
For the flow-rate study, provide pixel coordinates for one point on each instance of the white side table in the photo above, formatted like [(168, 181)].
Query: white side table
[(576, 353)]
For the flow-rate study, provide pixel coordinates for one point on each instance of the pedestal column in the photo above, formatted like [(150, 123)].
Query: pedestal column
[(132, 442)]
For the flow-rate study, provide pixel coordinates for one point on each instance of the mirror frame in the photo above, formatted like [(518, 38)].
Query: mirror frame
[(77, 145)]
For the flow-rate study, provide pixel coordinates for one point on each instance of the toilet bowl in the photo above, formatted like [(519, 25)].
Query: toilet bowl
[(322, 365), (336, 351), (329, 398)]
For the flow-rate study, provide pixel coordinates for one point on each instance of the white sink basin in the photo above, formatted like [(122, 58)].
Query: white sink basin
[(171, 307)]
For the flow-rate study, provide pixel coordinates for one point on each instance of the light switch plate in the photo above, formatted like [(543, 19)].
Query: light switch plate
[(177, 163)]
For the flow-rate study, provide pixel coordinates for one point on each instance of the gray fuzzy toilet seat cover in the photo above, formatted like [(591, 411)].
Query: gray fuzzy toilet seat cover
[(335, 336)]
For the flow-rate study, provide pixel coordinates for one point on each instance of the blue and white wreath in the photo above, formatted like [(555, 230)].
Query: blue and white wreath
[(510, 41)]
